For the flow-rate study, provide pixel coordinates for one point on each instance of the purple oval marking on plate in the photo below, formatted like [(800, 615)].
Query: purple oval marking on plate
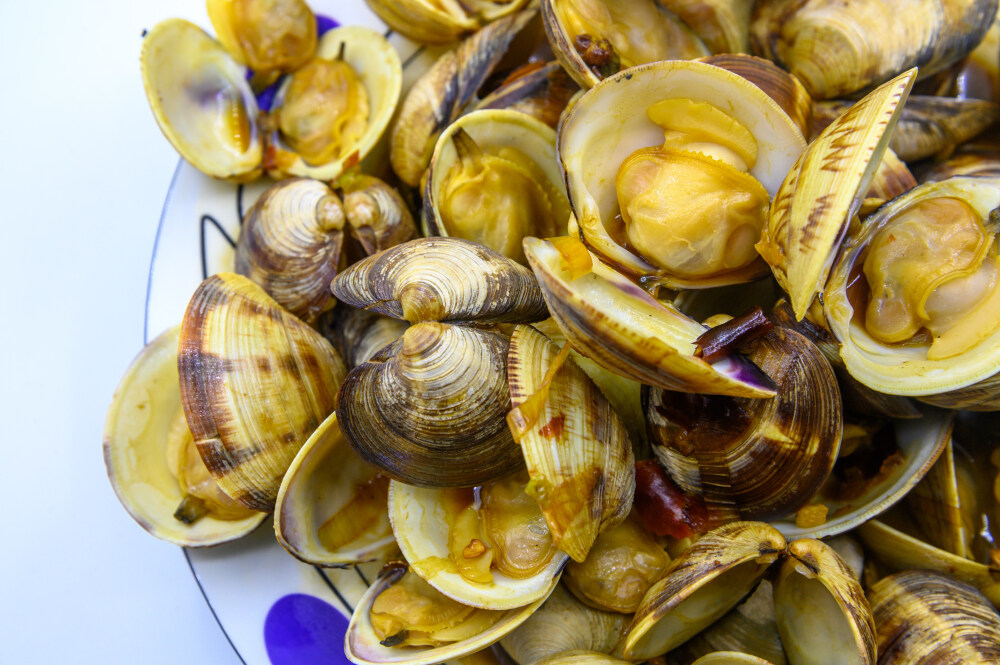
[(303, 630), (325, 23)]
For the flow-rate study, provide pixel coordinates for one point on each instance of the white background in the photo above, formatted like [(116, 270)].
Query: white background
[(83, 175)]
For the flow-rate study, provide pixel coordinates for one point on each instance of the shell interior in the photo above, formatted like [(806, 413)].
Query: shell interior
[(323, 479), (201, 100), (377, 64), (146, 402), (421, 527)]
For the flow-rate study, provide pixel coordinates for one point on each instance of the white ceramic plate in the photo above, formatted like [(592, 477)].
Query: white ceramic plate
[(272, 608)]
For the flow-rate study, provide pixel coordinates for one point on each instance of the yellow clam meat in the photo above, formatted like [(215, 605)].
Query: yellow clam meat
[(267, 35)]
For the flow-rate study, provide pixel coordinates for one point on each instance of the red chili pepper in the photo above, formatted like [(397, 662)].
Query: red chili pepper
[(666, 510)]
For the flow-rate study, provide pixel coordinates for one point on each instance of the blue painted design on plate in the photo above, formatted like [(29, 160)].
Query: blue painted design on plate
[(303, 630)]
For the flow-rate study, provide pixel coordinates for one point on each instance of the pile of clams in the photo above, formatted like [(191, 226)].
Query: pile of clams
[(638, 331)]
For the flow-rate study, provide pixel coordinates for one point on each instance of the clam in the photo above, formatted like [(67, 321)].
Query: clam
[(328, 115), (594, 39), (564, 624), (820, 609), (332, 508), (926, 617), (438, 393), (437, 22), (922, 339), (402, 620), (290, 244), (255, 383), (620, 326), (841, 48), (823, 190), (267, 36), (626, 144), (619, 569), (751, 458), (376, 213), (441, 94), (928, 125), (151, 461), (723, 25), (442, 279), (730, 658), (493, 179), (201, 100), (488, 547), (575, 446)]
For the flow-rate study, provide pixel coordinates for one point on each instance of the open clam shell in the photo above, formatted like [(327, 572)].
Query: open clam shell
[(730, 658), (421, 523), (332, 506), (575, 446), (966, 380), (610, 122), (146, 403), (620, 326), (377, 64), (926, 617), (701, 585), (255, 383), (442, 279), (362, 645), (290, 244), (820, 194), (507, 196), (638, 32), (201, 100)]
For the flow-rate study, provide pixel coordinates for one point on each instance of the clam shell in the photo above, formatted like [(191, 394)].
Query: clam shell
[(362, 646), (442, 279), (321, 481), (359, 334), (146, 402), (564, 624), (420, 525), (255, 383), (724, 25), (440, 393), (542, 93), (701, 585), (425, 22), (610, 122), (290, 244), (840, 48), (937, 507), (905, 369), (901, 551), (582, 657), (730, 658), (758, 459), (377, 214), (196, 90), (821, 611), (492, 131), (925, 617), (821, 193), (577, 451), (684, 44), (621, 327), (441, 94), (377, 64)]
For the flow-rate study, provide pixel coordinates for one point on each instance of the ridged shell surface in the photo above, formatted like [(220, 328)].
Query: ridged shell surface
[(255, 383)]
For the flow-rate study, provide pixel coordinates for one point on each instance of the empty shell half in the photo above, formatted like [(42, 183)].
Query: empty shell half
[(148, 450), (332, 507)]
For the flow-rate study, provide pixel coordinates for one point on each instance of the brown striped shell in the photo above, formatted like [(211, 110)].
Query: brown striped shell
[(841, 48), (751, 458), (820, 609), (440, 393), (442, 279), (255, 383), (290, 244), (823, 190), (575, 446), (539, 91), (358, 334), (724, 25), (926, 617), (441, 94), (376, 213)]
